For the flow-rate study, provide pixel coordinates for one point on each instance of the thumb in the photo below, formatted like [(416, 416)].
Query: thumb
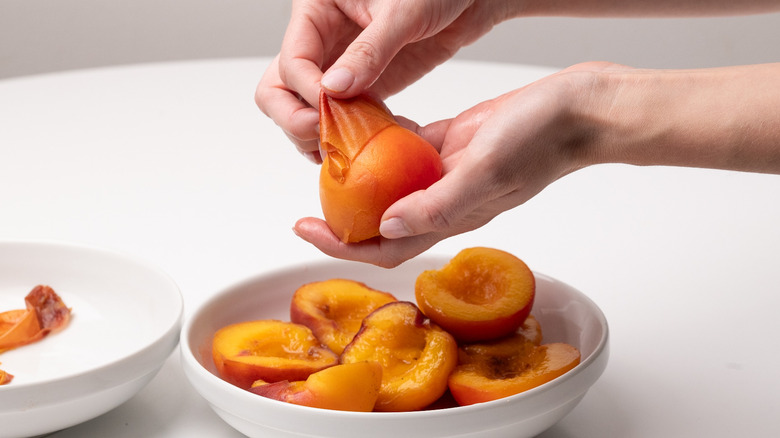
[(365, 59), (441, 208)]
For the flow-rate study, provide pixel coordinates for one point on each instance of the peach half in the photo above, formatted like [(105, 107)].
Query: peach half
[(334, 309), (346, 387), (268, 350), (497, 369), (416, 356), (481, 294)]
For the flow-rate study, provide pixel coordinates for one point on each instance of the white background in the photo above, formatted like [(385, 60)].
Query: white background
[(171, 162), (49, 35)]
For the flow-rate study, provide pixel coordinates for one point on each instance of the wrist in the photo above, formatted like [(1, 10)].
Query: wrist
[(503, 10), (715, 118), (628, 115)]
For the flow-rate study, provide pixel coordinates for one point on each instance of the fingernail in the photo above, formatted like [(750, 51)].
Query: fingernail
[(394, 228), (338, 80)]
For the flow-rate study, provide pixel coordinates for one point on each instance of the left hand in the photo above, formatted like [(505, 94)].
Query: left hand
[(495, 156)]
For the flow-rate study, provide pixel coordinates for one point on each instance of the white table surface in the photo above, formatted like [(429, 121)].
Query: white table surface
[(174, 163)]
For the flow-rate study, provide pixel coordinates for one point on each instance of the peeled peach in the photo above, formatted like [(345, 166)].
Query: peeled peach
[(346, 387), (370, 162), (497, 369), (416, 356), (268, 350), (481, 294), (334, 309)]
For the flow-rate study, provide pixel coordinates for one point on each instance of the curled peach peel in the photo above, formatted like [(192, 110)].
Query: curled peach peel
[(19, 327), (5, 377), (481, 294), (268, 350), (493, 370), (370, 162), (334, 309), (345, 387), (416, 356), (45, 313)]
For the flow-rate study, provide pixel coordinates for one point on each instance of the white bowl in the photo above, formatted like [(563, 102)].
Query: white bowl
[(565, 315), (126, 319)]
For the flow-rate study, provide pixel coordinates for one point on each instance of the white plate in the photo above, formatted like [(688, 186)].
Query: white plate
[(125, 321), (566, 315)]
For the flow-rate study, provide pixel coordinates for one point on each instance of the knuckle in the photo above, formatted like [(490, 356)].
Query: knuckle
[(438, 218), (261, 98), (389, 262), (366, 51)]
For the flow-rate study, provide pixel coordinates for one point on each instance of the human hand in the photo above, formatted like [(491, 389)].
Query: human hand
[(362, 46), (495, 156)]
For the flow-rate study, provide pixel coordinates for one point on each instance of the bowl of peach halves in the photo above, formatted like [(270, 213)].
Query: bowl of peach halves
[(473, 345)]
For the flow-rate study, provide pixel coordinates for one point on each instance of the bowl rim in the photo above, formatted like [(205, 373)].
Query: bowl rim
[(193, 365), (168, 335)]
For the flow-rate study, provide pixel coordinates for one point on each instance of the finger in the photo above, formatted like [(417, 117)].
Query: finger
[(442, 208), (377, 251), (435, 133), (317, 232), (407, 123), (297, 119), (303, 53), (366, 57)]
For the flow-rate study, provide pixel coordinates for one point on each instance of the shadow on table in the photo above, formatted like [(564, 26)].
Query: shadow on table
[(153, 412), (602, 413)]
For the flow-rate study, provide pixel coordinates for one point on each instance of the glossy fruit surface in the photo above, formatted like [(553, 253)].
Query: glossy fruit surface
[(482, 293), (346, 387), (492, 370), (44, 312), (370, 162), (269, 350), (334, 309), (416, 356)]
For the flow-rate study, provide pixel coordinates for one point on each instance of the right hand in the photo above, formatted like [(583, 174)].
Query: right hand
[(372, 46)]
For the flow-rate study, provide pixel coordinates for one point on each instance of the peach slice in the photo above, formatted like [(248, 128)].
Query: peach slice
[(497, 369), (481, 294), (370, 162), (531, 330), (268, 350), (416, 356), (334, 309), (345, 387)]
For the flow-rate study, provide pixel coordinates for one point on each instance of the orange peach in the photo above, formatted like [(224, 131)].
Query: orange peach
[(334, 309), (370, 162), (497, 369), (416, 356), (481, 294), (345, 387), (270, 350)]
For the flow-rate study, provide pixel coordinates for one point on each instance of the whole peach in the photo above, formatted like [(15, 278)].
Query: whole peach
[(370, 162)]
